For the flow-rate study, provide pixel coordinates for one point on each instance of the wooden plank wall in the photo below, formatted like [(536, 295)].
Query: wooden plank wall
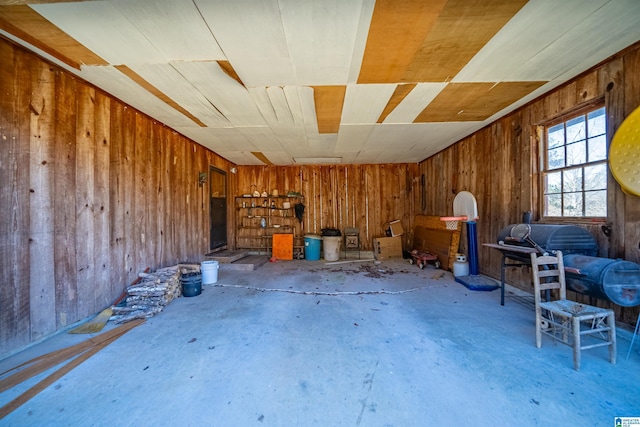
[(91, 193), (339, 196), (499, 165)]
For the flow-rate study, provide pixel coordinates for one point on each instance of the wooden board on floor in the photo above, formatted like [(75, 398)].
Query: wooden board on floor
[(248, 263), (226, 257), (431, 234)]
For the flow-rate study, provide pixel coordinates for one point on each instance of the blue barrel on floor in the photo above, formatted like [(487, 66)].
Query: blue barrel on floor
[(312, 247), (191, 284)]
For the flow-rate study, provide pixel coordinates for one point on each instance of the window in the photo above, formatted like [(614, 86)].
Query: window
[(575, 166)]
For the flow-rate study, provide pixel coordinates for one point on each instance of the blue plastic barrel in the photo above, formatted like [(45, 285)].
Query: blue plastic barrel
[(312, 247)]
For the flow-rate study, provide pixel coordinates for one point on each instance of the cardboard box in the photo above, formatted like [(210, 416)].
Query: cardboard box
[(387, 247), (396, 228)]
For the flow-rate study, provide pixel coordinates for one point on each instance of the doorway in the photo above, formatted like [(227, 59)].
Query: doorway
[(218, 207)]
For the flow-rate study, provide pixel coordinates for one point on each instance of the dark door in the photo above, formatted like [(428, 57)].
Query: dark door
[(218, 207)]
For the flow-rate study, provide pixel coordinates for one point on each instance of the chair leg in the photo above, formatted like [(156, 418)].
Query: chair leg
[(566, 322), (538, 327), (611, 322), (575, 328)]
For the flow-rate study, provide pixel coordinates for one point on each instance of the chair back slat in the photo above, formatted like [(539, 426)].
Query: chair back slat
[(548, 273), (549, 286)]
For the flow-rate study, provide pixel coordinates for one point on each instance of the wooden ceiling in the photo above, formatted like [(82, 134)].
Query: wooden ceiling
[(343, 81)]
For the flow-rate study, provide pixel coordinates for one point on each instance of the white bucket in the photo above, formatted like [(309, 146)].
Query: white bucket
[(331, 247), (209, 272)]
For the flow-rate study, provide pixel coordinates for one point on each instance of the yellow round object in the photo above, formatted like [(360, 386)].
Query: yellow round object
[(624, 154)]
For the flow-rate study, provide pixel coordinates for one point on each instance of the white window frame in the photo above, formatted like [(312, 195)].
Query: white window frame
[(573, 172)]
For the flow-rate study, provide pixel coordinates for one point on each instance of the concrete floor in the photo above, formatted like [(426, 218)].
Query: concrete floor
[(301, 343)]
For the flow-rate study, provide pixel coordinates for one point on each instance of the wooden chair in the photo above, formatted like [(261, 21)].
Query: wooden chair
[(580, 326)]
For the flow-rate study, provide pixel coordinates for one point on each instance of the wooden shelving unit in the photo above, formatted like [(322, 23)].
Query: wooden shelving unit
[(250, 211)]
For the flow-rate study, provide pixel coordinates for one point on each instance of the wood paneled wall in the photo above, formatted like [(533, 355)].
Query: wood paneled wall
[(499, 165), (91, 193), (339, 196)]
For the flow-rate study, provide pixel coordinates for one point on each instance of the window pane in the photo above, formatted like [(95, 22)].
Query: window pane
[(555, 136), (553, 205), (576, 129), (595, 177), (597, 122), (598, 148), (572, 205), (553, 183), (576, 153), (575, 169), (595, 203), (572, 180), (556, 158)]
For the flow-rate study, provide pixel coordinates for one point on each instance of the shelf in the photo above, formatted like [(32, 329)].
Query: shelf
[(262, 207), (265, 216), (267, 208), (285, 227), (268, 197), (250, 235)]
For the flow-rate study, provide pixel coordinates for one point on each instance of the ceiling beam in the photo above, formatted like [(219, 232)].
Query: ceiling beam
[(329, 101), (31, 27)]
